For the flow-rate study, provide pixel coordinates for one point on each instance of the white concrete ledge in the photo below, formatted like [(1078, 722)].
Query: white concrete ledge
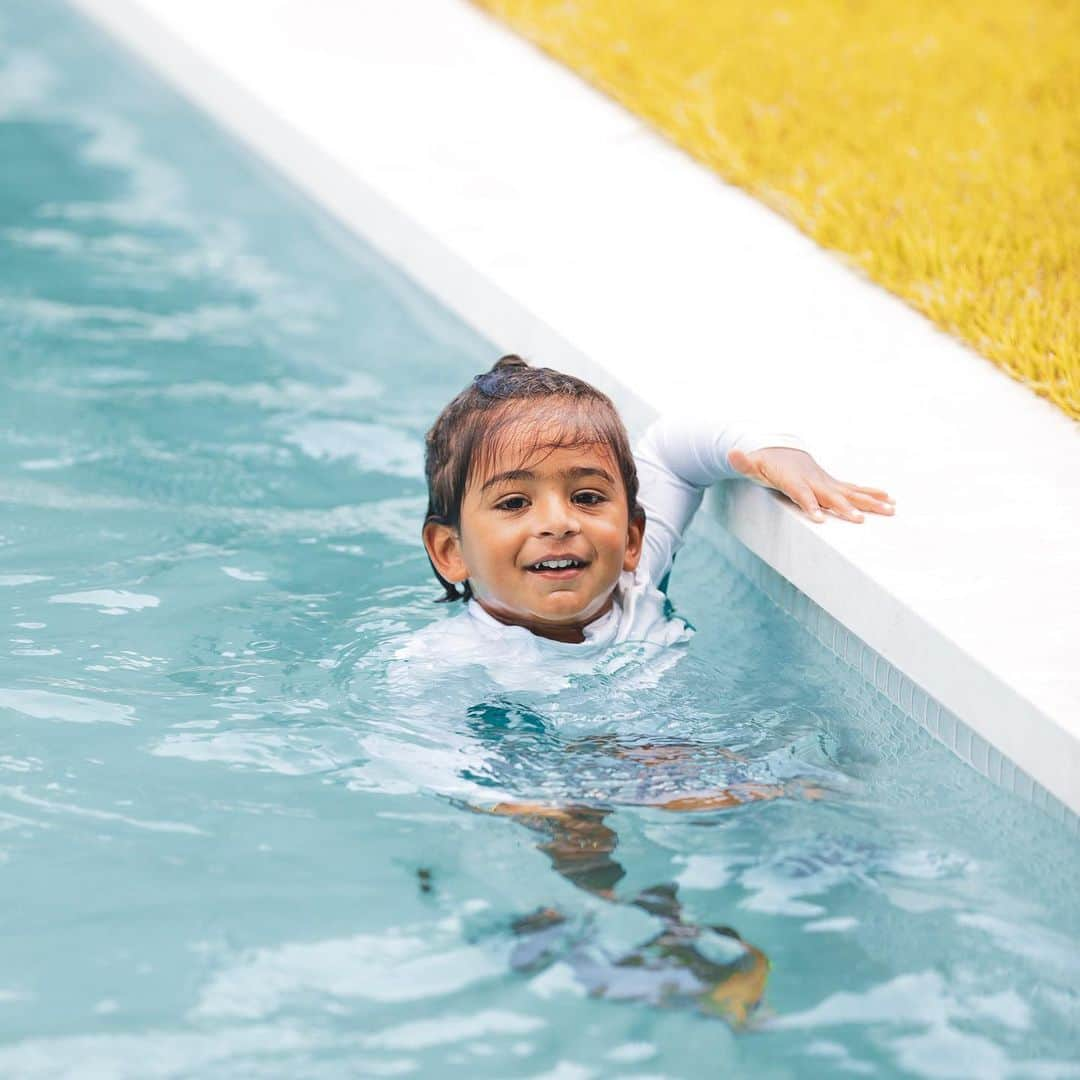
[(560, 227)]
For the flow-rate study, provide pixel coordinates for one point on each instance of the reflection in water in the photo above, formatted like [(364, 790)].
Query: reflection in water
[(672, 966)]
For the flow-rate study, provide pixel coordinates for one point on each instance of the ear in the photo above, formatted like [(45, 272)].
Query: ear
[(444, 550), (635, 538)]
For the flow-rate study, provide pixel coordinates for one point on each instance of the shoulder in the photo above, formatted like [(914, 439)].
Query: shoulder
[(451, 645), (427, 640), (647, 614)]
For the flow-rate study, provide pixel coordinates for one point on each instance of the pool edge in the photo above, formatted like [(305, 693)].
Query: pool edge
[(913, 701)]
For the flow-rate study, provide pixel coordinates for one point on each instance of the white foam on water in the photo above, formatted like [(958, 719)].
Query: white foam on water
[(703, 871), (422, 1034), (288, 395), (1049, 951), (395, 519), (21, 796), (371, 447), (152, 1055), (836, 925), (223, 323), (47, 705), (243, 575), (567, 1070), (914, 999), (393, 966), (111, 601), (555, 981), (631, 1052), (944, 1053), (11, 580), (25, 81), (63, 462), (285, 753), (827, 1049)]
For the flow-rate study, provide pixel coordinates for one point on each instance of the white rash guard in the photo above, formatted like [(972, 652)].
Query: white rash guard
[(677, 459)]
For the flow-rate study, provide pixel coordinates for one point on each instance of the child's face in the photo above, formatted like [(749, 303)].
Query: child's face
[(567, 503)]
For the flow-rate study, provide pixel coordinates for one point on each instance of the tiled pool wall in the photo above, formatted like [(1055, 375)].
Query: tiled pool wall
[(907, 696)]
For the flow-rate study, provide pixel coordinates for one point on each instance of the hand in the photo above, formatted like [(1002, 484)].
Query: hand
[(808, 485)]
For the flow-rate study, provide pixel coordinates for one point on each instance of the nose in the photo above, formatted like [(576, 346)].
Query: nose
[(556, 517)]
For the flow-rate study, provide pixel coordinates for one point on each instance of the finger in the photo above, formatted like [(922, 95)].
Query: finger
[(802, 495), (741, 462), (876, 493), (871, 503), (839, 505)]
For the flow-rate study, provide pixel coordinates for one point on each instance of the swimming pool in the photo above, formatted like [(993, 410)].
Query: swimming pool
[(233, 849)]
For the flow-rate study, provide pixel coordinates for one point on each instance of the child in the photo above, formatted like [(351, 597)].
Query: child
[(536, 519), (559, 540)]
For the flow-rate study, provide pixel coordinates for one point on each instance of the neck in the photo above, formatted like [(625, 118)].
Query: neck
[(572, 633)]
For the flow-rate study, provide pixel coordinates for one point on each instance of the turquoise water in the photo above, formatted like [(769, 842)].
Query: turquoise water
[(231, 847)]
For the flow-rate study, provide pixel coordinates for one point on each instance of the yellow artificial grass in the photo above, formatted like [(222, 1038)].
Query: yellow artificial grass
[(935, 144)]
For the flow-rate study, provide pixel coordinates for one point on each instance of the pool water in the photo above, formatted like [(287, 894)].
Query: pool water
[(234, 844)]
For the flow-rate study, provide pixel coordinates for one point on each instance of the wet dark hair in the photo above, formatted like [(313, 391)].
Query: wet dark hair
[(474, 428)]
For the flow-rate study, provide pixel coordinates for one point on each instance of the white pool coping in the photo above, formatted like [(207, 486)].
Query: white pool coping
[(562, 228)]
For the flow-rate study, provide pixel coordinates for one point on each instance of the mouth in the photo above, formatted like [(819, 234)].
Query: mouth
[(561, 568)]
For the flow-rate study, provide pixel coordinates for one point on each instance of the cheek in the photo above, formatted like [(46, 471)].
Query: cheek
[(486, 543), (611, 536)]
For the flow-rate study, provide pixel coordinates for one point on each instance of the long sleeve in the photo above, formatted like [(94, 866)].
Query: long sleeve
[(677, 459)]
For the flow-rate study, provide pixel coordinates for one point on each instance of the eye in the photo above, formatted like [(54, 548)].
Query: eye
[(589, 498), (512, 502)]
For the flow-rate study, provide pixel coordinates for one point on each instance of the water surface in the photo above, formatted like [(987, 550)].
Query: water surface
[(232, 847)]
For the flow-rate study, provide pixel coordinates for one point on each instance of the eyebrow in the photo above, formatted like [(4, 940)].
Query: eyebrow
[(580, 472)]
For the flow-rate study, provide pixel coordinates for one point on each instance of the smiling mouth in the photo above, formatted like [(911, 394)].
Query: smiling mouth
[(557, 567)]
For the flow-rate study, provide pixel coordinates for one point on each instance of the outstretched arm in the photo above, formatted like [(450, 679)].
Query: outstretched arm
[(678, 459)]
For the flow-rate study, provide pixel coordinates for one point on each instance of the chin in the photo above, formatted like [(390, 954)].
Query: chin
[(573, 611)]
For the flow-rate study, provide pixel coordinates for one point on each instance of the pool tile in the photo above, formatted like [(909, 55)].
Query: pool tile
[(881, 674), (866, 663), (894, 685), (800, 607), (852, 651), (979, 753), (918, 705), (1008, 774), (962, 740), (1023, 785), (947, 728), (906, 694), (933, 717)]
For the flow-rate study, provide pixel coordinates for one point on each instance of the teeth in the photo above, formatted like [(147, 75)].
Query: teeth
[(555, 564)]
